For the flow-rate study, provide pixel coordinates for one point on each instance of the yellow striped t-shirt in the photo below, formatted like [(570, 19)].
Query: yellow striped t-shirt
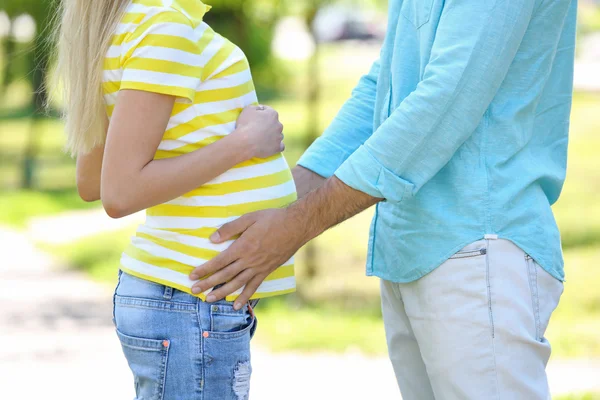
[(163, 46)]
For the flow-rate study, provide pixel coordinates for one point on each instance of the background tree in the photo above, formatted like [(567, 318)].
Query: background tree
[(37, 54)]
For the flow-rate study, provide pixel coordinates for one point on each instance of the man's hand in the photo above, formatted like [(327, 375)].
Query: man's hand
[(268, 240)]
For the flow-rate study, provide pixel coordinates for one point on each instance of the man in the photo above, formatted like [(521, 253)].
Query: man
[(459, 135)]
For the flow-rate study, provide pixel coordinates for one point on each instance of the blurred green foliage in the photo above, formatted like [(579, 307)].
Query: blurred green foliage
[(250, 24), (22, 205), (580, 396), (589, 18)]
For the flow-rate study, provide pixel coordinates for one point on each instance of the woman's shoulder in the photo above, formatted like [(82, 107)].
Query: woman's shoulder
[(188, 12)]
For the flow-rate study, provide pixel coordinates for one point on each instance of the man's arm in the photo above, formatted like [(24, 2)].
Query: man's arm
[(260, 249), (467, 66)]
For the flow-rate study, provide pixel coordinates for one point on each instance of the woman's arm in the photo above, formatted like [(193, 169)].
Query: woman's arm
[(89, 171), (132, 180)]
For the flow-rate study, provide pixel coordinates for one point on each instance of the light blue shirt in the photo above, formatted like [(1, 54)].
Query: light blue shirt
[(462, 127)]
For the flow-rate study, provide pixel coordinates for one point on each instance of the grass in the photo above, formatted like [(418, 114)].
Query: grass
[(98, 256), (329, 313), (579, 396), (284, 327), (23, 205)]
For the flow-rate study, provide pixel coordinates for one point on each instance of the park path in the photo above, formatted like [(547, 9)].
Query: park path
[(57, 338)]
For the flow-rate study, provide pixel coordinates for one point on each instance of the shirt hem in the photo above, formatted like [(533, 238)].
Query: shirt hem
[(202, 296), (421, 272)]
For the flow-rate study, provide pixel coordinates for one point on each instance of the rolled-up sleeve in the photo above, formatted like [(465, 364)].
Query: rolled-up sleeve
[(350, 129), (476, 42)]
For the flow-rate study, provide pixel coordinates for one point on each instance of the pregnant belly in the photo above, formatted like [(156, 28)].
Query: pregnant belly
[(176, 234)]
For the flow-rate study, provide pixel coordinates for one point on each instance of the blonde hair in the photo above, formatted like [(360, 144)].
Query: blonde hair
[(84, 37)]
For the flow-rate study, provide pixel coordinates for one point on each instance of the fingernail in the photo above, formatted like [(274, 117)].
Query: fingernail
[(194, 277), (195, 290), (237, 306), (215, 237), (210, 298)]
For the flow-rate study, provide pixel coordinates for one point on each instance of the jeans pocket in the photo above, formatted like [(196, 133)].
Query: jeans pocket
[(147, 359), (225, 319)]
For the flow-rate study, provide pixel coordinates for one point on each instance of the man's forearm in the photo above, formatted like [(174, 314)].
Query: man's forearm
[(328, 205), (306, 180)]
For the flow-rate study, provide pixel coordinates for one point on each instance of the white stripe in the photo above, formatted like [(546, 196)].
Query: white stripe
[(163, 274), (168, 275), (126, 28), (201, 28), (162, 252), (192, 241), (162, 28), (112, 75), (212, 49), (137, 8), (231, 199), (160, 78), (235, 56), (277, 284), (252, 171), (168, 54), (111, 99), (215, 107), (197, 136), (114, 51), (272, 286), (170, 28), (227, 81), (186, 222)]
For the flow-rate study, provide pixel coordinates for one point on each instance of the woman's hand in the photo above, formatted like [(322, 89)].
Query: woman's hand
[(260, 129)]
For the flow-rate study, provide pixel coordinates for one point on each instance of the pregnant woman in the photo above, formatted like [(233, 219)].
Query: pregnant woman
[(152, 97)]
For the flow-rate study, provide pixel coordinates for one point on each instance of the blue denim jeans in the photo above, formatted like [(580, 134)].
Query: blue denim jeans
[(180, 348)]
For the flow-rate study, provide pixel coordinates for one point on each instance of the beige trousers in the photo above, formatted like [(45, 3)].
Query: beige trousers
[(473, 329)]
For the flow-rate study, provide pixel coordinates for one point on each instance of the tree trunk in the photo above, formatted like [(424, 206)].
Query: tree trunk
[(40, 97)]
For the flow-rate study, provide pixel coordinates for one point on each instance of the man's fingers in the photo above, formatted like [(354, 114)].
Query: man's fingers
[(216, 264), (249, 291), (232, 229), (229, 288), (222, 276)]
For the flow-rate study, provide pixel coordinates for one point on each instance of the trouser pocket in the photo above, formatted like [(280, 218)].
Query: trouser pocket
[(147, 359), (545, 295)]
